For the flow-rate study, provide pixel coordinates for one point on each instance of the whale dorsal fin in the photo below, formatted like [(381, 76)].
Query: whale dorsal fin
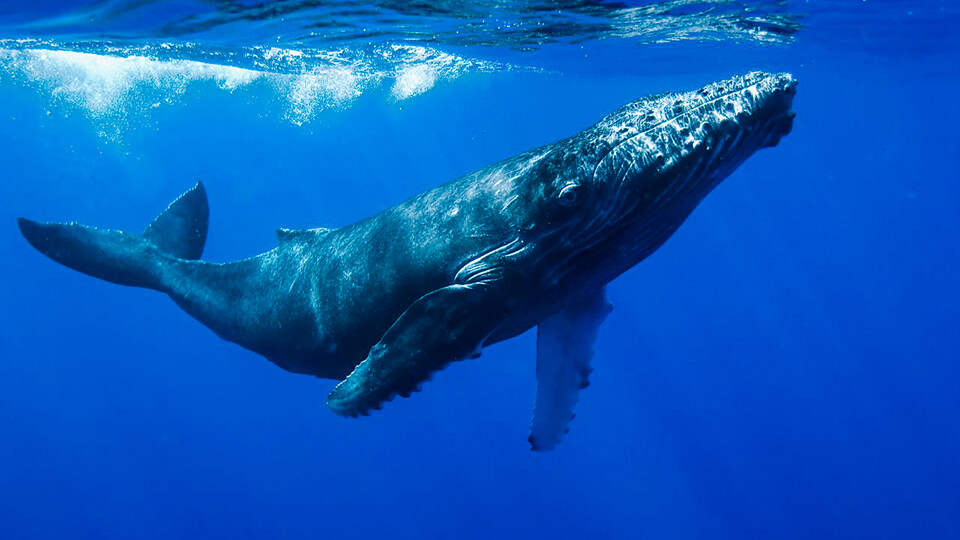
[(564, 350), (301, 235)]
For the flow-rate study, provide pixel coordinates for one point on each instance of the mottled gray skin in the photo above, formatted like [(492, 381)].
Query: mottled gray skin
[(501, 249)]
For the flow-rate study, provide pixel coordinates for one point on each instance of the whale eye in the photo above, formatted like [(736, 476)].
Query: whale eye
[(569, 195)]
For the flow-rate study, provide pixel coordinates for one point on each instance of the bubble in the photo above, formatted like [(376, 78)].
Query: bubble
[(116, 85), (414, 80), (308, 93)]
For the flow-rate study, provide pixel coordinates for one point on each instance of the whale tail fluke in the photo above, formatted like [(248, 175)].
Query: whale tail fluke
[(125, 258)]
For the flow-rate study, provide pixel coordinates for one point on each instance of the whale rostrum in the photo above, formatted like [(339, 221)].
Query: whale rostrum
[(530, 241)]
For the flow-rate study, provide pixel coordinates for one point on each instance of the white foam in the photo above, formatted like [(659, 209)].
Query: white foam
[(103, 84), (317, 90), (414, 80), (114, 86)]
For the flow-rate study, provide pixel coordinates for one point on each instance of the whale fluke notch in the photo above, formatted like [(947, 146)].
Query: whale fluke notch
[(181, 230)]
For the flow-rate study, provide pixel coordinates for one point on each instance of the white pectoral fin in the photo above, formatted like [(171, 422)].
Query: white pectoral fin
[(564, 350)]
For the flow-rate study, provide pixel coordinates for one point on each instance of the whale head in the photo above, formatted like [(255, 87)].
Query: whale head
[(615, 192)]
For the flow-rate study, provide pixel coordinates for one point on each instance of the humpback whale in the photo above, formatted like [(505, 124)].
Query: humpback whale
[(382, 304)]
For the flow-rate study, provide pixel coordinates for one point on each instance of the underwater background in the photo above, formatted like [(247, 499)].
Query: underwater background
[(786, 366)]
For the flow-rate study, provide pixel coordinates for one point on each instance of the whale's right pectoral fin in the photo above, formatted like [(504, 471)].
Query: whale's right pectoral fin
[(564, 350), (444, 326)]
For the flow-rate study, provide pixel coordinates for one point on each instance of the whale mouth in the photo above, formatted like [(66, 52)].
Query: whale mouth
[(667, 146), (682, 145), (752, 110), (784, 89), (756, 107), (782, 127), (659, 156)]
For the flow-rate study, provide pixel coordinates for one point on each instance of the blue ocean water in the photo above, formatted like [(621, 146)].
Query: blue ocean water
[(786, 366)]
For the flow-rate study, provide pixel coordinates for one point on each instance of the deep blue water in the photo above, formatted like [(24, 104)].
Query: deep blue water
[(786, 366)]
